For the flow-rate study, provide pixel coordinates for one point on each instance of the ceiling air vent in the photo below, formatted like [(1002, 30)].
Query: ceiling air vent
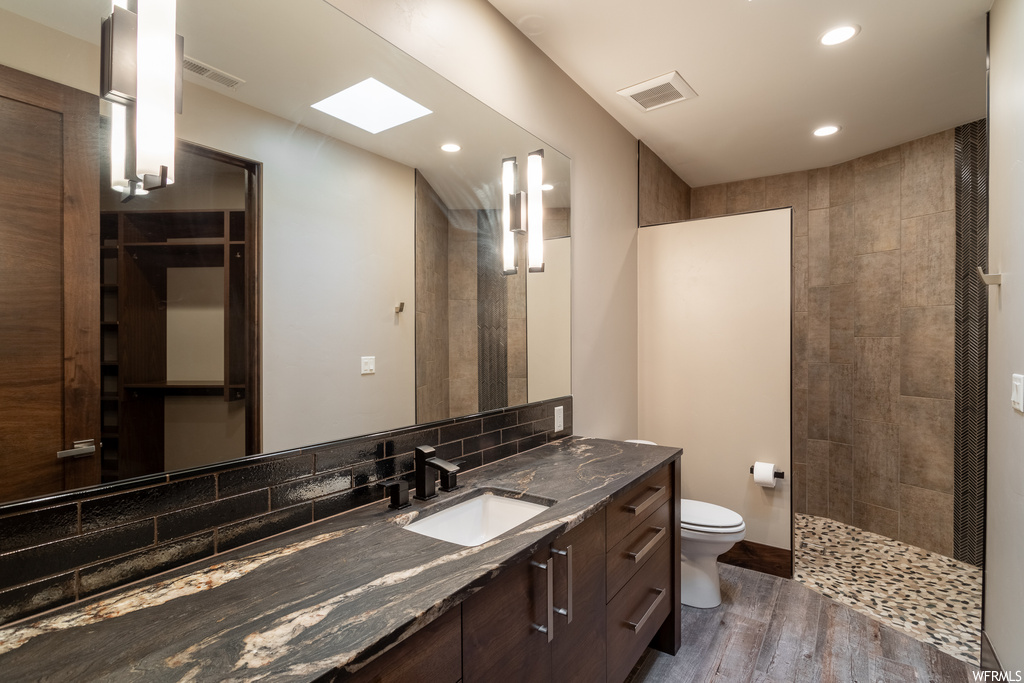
[(205, 72), (659, 92)]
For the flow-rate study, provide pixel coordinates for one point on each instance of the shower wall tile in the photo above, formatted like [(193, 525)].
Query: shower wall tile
[(927, 368), (708, 201), (817, 189), (926, 519), (878, 306), (877, 520), (876, 460), (876, 383), (926, 443), (817, 248), (789, 189), (745, 195), (663, 196), (817, 478), (799, 388), (818, 325), (841, 184), (878, 209), (800, 273), (841, 244), (929, 260), (929, 180), (817, 401), (840, 482), (841, 320), (799, 488), (840, 414), (886, 157)]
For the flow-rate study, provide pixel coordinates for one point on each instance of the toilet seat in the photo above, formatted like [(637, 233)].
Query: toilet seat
[(696, 515)]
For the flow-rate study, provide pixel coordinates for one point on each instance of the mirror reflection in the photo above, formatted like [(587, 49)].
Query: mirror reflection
[(355, 247)]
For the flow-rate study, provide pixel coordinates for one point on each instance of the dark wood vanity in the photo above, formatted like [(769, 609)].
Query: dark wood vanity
[(621, 587)]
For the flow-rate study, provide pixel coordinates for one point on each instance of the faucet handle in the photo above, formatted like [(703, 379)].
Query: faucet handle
[(399, 491), (449, 481)]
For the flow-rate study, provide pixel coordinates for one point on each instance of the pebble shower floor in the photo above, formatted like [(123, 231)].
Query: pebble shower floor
[(931, 597)]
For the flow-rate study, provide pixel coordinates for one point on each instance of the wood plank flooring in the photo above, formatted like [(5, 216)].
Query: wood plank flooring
[(770, 629)]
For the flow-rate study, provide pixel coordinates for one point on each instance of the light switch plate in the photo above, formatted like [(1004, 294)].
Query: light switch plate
[(1017, 394), (559, 419), (368, 363)]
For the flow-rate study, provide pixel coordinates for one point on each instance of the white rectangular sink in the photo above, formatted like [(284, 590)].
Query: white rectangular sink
[(477, 520)]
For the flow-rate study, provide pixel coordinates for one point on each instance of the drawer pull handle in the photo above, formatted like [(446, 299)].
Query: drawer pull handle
[(567, 610), (650, 610), (549, 629), (638, 557), (639, 509)]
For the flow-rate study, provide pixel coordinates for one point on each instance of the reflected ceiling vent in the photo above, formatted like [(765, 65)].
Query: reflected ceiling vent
[(205, 72), (659, 92)]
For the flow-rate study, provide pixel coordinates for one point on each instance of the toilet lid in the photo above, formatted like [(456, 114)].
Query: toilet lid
[(696, 513)]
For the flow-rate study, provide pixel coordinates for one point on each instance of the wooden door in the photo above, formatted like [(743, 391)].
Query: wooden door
[(49, 297)]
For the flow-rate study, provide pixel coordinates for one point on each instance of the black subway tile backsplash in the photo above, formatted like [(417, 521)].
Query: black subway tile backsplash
[(38, 526), (106, 575), (309, 488), (37, 596), (62, 556), (210, 515), (75, 544), (121, 508), (240, 533), (263, 474)]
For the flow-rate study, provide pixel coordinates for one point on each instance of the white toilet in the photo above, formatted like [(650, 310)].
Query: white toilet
[(706, 531)]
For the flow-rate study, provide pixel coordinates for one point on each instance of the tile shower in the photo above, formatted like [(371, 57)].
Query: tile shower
[(888, 336)]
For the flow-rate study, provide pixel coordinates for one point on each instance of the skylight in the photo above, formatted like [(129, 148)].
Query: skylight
[(372, 106)]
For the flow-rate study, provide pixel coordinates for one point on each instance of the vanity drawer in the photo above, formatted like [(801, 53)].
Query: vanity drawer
[(629, 510), (637, 612), (630, 554)]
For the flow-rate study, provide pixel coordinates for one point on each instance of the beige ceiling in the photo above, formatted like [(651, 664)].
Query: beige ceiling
[(763, 80)]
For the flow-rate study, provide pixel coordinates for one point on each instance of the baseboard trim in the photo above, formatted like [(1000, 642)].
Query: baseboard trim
[(989, 661), (759, 557)]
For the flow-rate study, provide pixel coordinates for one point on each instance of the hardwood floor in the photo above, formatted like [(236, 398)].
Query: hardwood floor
[(773, 629)]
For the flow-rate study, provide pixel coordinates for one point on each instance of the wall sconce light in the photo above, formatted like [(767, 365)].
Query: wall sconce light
[(535, 206), (141, 58), (523, 212)]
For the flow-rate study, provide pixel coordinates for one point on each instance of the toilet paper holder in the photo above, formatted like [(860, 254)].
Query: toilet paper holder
[(778, 475)]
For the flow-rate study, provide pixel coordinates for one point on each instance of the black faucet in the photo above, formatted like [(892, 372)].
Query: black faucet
[(425, 482), (399, 492)]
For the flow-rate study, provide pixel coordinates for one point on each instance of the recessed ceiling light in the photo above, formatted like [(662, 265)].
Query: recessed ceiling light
[(840, 34), (547, 186), (372, 106), (826, 130), (450, 147)]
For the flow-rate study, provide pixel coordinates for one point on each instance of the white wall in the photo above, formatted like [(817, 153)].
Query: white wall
[(471, 44), (714, 359), (1004, 550), (548, 328)]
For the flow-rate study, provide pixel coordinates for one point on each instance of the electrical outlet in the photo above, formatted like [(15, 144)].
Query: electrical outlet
[(368, 363), (559, 418)]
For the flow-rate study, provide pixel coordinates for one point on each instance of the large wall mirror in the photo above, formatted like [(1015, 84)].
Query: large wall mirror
[(371, 246)]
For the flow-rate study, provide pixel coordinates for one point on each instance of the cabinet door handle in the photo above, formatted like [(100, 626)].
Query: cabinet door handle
[(550, 628), (638, 510), (650, 610), (80, 450), (567, 610), (638, 557)]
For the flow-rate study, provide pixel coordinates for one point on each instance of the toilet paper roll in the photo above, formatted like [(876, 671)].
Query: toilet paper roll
[(764, 474)]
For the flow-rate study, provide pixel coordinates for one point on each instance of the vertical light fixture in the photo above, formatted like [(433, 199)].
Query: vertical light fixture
[(535, 210), (509, 176), (141, 76), (155, 92)]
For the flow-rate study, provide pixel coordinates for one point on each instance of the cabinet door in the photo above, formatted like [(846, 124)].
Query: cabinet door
[(499, 638), (578, 647)]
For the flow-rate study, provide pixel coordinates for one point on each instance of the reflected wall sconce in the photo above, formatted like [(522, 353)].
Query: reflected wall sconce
[(141, 57), (522, 212)]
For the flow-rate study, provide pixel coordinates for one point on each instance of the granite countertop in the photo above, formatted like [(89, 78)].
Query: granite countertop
[(325, 597)]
